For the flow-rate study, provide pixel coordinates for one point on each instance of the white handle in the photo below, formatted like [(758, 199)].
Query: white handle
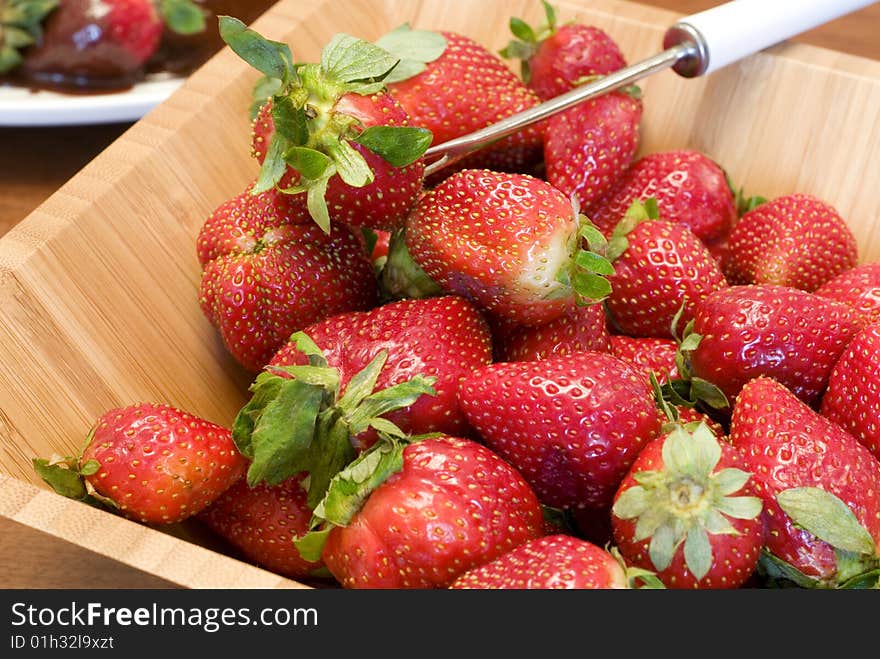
[(737, 29)]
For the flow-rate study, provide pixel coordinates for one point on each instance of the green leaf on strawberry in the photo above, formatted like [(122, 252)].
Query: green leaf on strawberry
[(827, 517), (399, 146), (686, 502), (413, 48), (349, 59), (297, 420), (21, 26), (272, 58), (182, 16)]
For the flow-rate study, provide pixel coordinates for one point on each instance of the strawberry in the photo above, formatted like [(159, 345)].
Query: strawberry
[(434, 509), (151, 462), (859, 287), (444, 337), (661, 273), (793, 240), (582, 328), (331, 132), (588, 147), (552, 562), (650, 354), (852, 399), (554, 58), (467, 88), (268, 271), (508, 242), (741, 332), (819, 486), (571, 424), (262, 522), (690, 189), (687, 510)]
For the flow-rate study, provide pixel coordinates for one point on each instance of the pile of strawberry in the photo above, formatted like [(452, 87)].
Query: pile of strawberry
[(553, 364)]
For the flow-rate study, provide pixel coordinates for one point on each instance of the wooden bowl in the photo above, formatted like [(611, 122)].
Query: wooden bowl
[(99, 285)]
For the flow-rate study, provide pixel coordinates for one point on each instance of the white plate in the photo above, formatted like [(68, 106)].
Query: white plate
[(22, 107)]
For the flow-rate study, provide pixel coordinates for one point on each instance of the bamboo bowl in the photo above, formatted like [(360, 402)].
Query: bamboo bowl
[(98, 286)]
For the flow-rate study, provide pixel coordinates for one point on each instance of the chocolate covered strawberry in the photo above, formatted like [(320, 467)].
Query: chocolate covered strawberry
[(419, 514), (555, 562), (794, 240), (82, 44), (690, 189), (556, 57), (852, 399), (819, 485), (571, 424), (510, 243), (332, 133), (688, 511), (151, 462), (269, 270)]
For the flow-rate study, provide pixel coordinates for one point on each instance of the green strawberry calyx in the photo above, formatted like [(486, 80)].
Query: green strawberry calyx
[(527, 39), (67, 475), (687, 389), (828, 518), (298, 420), (21, 25), (183, 16), (310, 135), (590, 266), (682, 505), (351, 487), (401, 277), (414, 49), (637, 578)]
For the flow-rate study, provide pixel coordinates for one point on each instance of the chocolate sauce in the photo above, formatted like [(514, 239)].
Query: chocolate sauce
[(73, 57)]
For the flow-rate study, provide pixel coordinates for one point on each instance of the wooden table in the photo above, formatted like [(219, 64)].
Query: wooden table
[(34, 162)]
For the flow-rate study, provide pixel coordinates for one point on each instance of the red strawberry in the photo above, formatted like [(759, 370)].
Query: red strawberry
[(687, 510), (270, 271), (661, 273), (572, 424), (82, 44), (818, 483), (859, 287), (588, 147), (794, 240), (332, 132), (262, 522), (443, 337), (582, 328), (152, 462), (553, 562), (451, 505), (467, 88), (763, 329), (556, 57), (649, 354), (508, 242), (852, 399), (690, 189)]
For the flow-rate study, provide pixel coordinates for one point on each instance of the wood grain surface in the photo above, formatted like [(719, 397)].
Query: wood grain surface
[(98, 284)]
